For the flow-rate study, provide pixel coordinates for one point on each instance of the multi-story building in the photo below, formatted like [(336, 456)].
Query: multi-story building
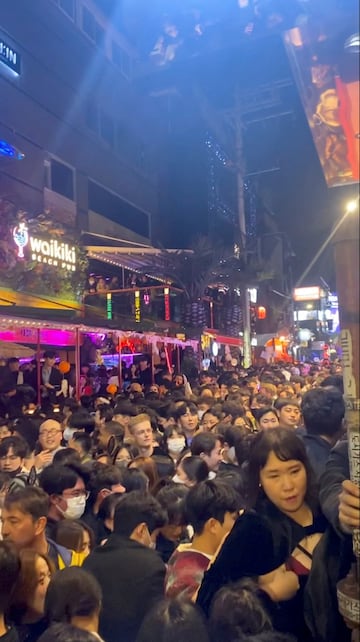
[(69, 105)]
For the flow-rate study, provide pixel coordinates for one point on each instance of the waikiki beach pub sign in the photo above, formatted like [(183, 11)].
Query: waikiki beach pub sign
[(52, 252)]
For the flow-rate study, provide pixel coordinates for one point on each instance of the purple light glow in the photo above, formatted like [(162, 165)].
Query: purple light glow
[(61, 338)]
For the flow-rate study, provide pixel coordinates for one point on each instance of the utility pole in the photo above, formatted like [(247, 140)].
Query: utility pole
[(346, 246), (240, 173)]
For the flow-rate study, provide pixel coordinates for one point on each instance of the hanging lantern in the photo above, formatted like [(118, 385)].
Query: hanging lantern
[(261, 312)]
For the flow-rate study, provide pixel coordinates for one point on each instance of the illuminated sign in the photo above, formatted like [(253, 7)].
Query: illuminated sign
[(9, 57), (312, 293), (137, 307), (167, 303), (21, 238), (333, 300), (109, 310), (50, 252)]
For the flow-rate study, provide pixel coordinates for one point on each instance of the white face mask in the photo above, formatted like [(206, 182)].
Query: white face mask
[(69, 433), (75, 508), (176, 479), (231, 454), (176, 445)]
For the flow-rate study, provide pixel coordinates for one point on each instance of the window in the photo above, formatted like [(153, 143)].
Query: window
[(126, 65), (114, 208), (88, 23), (62, 179), (99, 35), (107, 129), (124, 141), (121, 59), (92, 117), (92, 28), (116, 54), (68, 7)]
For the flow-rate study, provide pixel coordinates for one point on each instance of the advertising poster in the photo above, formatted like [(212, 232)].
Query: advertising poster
[(325, 61)]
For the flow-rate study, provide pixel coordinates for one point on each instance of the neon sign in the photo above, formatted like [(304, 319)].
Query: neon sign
[(137, 307), (52, 252), (167, 303), (21, 238), (9, 57), (109, 307)]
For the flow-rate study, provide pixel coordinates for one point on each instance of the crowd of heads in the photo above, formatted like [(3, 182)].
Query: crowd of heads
[(166, 467)]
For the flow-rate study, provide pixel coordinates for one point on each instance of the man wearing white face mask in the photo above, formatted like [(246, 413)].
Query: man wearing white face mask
[(66, 488)]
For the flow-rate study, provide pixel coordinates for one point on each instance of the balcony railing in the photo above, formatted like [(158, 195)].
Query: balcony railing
[(158, 308), (142, 308)]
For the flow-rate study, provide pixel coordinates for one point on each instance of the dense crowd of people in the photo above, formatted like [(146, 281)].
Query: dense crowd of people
[(219, 510)]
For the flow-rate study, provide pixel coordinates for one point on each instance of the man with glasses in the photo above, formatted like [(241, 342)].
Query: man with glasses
[(65, 486), (50, 436), (24, 518)]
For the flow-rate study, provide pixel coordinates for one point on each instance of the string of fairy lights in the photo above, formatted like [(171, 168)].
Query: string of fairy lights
[(217, 207)]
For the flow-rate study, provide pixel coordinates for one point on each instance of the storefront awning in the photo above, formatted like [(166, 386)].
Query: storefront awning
[(135, 259), (31, 331), (223, 339)]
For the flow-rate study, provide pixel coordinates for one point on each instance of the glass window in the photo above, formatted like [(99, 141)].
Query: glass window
[(99, 35), (92, 117), (121, 59), (62, 179), (116, 54), (116, 209), (88, 23), (68, 7), (126, 65), (107, 129)]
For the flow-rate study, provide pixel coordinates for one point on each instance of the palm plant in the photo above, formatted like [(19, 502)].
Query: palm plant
[(193, 270), (202, 267)]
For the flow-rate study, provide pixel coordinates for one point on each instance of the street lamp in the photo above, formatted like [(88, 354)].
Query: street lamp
[(352, 206)]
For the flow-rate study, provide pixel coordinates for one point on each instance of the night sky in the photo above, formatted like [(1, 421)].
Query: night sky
[(296, 193), (304, 206)]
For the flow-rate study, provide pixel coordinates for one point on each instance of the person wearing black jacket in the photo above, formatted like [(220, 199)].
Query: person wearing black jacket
[(340, 503), (323, 410), (274, 541), (50, 378), (130, 574)]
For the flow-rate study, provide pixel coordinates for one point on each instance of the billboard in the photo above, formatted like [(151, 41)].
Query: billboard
[(324, 55), (311, 293)]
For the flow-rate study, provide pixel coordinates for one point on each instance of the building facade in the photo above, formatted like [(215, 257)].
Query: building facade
[(71, 110)]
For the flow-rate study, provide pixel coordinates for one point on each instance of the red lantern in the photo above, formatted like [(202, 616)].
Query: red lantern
[(261, 312)]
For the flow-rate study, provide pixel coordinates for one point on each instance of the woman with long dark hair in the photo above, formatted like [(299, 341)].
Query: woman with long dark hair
[(274, 540), (28, 599)]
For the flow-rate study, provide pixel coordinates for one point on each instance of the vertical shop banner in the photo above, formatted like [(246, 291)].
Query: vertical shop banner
[(167, 303), (137, 307), (325, 61)]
